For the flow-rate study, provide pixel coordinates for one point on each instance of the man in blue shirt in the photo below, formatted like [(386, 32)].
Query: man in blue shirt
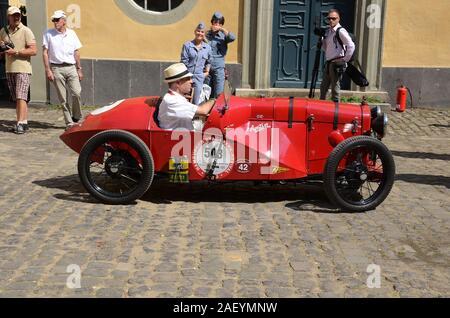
[(218, 38)]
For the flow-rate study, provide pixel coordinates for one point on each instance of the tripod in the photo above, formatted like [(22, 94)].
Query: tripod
[(315, 74)]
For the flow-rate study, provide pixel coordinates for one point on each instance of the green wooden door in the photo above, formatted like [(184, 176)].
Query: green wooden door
[(294, 43)]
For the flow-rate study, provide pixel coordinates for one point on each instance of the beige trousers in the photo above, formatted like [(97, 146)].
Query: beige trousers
[(67, 81), (331, 78)]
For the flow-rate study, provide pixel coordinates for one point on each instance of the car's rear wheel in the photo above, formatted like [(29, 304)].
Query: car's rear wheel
[(359, 174), (116, 167)]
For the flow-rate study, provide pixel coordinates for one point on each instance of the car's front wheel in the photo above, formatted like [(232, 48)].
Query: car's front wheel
[(116, 167), (359, 174)]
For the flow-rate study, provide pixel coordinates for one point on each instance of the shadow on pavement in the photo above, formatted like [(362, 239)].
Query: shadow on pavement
[(308, 197), (6, 104), (440, 126), (318, 206), (6, 125), (424, 179), (71, 185), (421, 155), (304, 197), (163, 192)]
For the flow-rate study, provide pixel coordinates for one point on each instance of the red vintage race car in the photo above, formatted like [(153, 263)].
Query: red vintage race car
[(122, 148)]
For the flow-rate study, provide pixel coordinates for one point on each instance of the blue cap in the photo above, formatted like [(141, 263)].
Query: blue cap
[(217, 15), (201, 26)]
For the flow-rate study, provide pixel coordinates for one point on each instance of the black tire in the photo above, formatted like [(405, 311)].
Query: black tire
[(345, 187), (121, 178)]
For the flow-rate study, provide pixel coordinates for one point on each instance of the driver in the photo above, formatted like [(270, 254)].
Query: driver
[(176, 111)]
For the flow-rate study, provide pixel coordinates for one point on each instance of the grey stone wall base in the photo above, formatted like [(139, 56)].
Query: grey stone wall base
[(300, 92), (106, 81), (428, 86)]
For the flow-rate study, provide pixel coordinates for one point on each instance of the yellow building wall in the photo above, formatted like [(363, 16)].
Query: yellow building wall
[(417, 33), (17, 3), (108, 33)]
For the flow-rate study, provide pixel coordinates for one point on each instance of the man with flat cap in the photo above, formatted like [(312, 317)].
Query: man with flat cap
[(175, 111), (218, 38), (196, 55)]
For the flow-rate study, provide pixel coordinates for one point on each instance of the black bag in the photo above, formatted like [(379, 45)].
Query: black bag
[(356, 76)]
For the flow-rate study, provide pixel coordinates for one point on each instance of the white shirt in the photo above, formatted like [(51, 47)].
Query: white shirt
[(176, 112), (61, 46), (332, 47)]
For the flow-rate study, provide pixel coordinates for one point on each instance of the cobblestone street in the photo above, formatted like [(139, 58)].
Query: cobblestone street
[(235, 240)]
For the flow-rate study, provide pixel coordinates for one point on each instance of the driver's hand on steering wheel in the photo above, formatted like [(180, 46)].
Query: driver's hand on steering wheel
[(205, 108)]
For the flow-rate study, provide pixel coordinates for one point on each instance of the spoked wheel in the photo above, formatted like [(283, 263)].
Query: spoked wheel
[(116, 167), (359, 174)]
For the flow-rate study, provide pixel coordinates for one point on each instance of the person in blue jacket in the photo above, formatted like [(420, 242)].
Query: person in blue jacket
[(196, 55), (218, 38)]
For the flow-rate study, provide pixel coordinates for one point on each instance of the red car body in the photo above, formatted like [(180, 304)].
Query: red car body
[(304, 132)]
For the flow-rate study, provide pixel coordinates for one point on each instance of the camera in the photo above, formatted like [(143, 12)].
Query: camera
[(6, 46), (320, 31), (340, 67)]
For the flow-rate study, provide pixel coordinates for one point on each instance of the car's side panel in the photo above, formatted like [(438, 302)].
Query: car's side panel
[(322, 113), (131, 115), (166, 144), (262, 108), (289, 153), (318, 147), (293, 149), (251, 145)]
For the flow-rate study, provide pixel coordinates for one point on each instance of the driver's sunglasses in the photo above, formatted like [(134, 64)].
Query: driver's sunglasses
[(332, 18), (56, 20)]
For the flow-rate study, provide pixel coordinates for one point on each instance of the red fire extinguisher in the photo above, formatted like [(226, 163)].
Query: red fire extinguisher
[(401, 98)]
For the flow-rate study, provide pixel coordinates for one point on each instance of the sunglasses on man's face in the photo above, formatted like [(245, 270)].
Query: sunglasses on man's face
[(332, 18), (56, 20)]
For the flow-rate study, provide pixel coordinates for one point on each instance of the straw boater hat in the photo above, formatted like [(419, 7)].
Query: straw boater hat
[(176, 72)]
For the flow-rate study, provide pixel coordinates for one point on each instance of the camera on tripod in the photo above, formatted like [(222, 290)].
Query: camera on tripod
[(320, 31)]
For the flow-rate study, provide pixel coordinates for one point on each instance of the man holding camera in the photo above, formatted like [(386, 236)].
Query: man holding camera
[(18, 44), (336, 55), (63, 66)]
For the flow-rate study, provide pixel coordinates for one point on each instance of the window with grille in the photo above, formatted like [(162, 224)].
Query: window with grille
[(158, 5), (156, 12)]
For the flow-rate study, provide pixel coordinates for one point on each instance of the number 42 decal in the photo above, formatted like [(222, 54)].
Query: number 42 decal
[(243, 166)]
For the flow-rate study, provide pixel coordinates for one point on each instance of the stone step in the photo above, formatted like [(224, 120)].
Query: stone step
[(301, 92)]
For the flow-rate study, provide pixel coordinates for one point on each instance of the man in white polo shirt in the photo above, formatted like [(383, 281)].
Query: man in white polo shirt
[(175, 111), (63, 67)]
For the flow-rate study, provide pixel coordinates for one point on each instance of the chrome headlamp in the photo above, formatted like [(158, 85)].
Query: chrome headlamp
[(375, 112), (380, 124)]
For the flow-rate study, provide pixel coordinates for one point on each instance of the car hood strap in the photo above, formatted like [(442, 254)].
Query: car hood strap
[(291, 111), (336, 116)]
